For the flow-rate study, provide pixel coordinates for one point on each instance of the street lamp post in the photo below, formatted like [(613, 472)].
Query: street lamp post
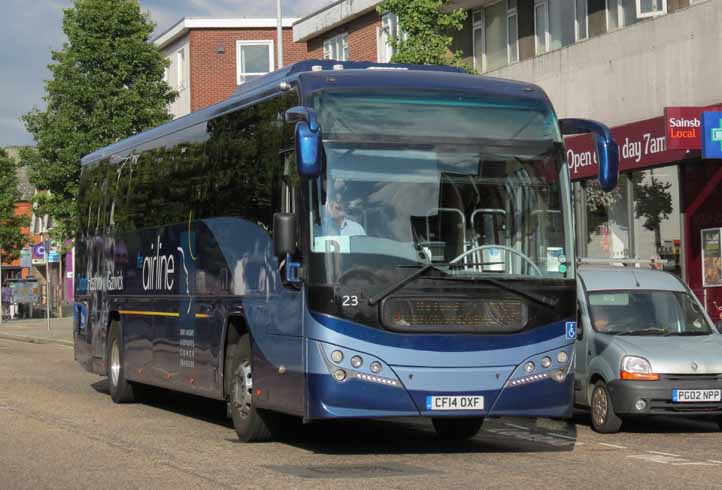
[(279, 32), (48, 281)]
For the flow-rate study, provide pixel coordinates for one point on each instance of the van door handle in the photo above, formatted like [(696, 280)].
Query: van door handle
[(589, 352)]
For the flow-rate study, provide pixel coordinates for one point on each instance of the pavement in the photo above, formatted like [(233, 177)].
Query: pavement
[(36, 331)]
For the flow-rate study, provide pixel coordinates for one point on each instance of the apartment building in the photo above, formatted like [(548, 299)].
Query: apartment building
[(208, 58), (623, 62)]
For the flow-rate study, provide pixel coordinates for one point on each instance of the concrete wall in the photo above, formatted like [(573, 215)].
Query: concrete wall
[(182, 105), (633, 73)]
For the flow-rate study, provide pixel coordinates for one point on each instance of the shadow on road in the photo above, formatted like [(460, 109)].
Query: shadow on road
[(658, 424), (211, 411), (359, 437)]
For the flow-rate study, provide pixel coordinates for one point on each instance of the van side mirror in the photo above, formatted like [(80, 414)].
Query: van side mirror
[(308, 140), (607, 148), (284, 234)]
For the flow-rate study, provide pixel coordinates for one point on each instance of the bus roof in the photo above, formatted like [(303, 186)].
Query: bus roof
[(317, 73)]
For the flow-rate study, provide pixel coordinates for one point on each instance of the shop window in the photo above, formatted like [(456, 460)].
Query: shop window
[(657, 226), (253, 59), (336, 48), (604, 231)]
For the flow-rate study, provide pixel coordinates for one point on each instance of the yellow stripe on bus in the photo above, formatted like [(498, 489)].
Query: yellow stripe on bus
[(149, 313), (202, 315)]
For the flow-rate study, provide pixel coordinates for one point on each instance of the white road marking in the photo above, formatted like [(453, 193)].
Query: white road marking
[(615, 446), (714, 461), (666, 458), (517, 426), (562, 436), (665, 454)]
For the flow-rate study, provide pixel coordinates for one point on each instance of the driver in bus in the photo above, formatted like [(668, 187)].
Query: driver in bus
[(336, 222)]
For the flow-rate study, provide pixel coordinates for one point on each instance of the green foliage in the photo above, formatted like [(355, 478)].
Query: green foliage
[(107, 84), (653, 202), (427, 27), (11, 237)]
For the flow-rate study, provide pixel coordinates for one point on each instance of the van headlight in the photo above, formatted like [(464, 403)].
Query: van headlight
[(637, 368)]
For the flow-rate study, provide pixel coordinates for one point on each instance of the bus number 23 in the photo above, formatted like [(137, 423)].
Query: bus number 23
[(350, 300)]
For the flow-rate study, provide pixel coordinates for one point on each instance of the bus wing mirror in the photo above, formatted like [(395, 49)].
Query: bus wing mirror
[(607, 148), (308, 140), (284, 234)]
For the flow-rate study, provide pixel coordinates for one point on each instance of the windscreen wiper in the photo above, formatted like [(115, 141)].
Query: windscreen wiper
[(686, 334), (539, 298), (394, 287), (646, 331)]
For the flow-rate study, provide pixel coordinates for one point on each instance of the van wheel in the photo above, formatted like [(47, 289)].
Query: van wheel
[(121, 391), (251, 424), (452, 429), (604, 420)]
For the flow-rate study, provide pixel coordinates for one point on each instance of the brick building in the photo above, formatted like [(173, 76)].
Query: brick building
[(347, 30), (209, 58)]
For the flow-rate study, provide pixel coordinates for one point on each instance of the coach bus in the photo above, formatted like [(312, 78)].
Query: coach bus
[(340, 240)]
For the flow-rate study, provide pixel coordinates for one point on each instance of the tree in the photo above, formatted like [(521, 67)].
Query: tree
[(426, 27), (12, 239), (654, 204), (107, 84)]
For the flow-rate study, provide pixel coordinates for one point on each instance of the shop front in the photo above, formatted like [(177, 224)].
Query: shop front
[(667, 194)]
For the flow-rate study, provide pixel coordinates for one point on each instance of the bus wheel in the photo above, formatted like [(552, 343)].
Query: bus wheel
[(457, 429), (251, 424), (121, 391), (604, 420)]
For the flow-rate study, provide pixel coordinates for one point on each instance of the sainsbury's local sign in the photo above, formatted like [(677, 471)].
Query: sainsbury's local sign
[(684, 127)]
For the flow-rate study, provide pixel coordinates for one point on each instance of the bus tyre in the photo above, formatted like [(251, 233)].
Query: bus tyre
[(452, 429), (604, 420), (121, 391), (251, 424)]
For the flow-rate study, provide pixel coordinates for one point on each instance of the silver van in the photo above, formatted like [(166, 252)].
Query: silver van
[(645, 346)]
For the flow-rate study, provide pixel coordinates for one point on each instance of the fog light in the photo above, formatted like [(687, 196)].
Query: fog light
[(339, 374), (640, 405), (356, 361), (529, 367), (375, 367), (562, 357), (337, 356), (546, 362)]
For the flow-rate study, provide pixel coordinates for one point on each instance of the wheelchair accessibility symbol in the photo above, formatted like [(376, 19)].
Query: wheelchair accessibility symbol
[(571, 330)]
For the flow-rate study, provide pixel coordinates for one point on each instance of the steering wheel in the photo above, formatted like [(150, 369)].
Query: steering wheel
[(362, 274), (502, 247)]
